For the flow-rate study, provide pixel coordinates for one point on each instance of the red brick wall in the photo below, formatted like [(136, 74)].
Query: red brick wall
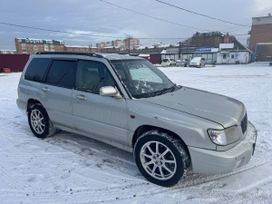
[(15, 62), (260, 34)]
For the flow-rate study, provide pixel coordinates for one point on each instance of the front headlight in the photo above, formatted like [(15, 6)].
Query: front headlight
[(218, 136)]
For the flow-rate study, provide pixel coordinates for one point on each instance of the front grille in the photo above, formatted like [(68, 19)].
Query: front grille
[(244, 124)]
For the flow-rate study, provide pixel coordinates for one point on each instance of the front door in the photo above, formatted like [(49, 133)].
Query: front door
[(101, 117)]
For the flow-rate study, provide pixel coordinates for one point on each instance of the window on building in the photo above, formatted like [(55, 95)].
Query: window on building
[(224, 56), (52, 48), (37, 69), (62, 73), (46, 47), (35, 48)]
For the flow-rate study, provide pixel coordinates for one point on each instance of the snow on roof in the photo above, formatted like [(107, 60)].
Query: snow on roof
[(78, 46), (226, 45), (39, 41), (141, 47), (108, 47), (144, 55), (163, 45), (266, 43), (164, 52), (7, 50)]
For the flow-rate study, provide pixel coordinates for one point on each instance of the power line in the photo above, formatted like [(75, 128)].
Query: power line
[(152, 17), (97, 35), (201, 14), (56, 31), (82, 34)]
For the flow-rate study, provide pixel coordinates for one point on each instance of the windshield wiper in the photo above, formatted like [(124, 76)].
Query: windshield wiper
[(166, 90)]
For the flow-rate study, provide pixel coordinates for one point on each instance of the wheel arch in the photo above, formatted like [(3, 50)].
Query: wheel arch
[(144, 128), (31, 102)]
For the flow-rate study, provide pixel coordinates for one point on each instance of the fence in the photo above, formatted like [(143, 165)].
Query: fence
[(13, 62)]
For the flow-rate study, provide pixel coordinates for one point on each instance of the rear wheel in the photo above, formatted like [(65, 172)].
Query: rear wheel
[(39, 121), (160, 158)]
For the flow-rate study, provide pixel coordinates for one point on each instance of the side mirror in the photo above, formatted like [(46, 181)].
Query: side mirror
[(109, 91)]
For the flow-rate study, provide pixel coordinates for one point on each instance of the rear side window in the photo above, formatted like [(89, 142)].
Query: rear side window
[(37, 68), (62, 73)]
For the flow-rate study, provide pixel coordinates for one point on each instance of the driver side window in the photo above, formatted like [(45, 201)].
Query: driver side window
[(91, 76)]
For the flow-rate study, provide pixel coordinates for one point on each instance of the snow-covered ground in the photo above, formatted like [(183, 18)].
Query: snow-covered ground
[(69, 168)]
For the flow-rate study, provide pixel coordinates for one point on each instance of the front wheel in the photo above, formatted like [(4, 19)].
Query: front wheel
[(160, 158)]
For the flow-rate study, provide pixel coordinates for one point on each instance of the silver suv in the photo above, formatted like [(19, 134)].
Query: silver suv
[(128, 103)]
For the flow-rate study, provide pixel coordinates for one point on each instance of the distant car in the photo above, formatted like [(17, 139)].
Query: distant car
[(168, 62), (182, 63), (197, 62)]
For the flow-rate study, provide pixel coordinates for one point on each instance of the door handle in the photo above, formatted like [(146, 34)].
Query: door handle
[(81, 97), (45, 89)]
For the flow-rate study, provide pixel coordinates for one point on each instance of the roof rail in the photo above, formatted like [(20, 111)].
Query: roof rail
[(70, 53)]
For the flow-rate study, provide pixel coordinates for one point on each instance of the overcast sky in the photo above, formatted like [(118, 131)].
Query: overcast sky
[(95, 17)]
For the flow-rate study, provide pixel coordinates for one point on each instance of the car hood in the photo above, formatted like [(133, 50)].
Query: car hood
[(214, 107)]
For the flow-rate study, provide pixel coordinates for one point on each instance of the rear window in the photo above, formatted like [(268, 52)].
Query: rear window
[(36, 70), (62, 73)]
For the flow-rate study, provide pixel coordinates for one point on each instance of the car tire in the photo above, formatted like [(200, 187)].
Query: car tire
[(39, 121), (160, 158)]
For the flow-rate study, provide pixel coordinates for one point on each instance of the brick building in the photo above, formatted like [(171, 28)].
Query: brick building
[(104, 44), (29, 46), (131, 43), (207, 40), (118, 43), (261, 38), (83, 49)]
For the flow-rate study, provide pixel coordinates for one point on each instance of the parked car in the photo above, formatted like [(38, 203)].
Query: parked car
[(182, 63), (197, 62), (127, 102), (168, 62)]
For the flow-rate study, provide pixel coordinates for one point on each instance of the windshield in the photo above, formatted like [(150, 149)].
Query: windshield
[(142, 79)]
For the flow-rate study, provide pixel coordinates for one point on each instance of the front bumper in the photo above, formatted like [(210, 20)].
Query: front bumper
[(215, 162)]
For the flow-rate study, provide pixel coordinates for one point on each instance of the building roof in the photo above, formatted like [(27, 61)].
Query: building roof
[(262, 20), (39, 41)]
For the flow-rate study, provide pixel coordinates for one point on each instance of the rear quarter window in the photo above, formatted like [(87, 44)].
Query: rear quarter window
[(62, 73), (36, 69)]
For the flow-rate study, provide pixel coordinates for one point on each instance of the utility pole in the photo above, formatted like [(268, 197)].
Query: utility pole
[(128, 39), (179, 51), (90, 48)]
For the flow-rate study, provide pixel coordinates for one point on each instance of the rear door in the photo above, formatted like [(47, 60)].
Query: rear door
[(102, 117), (57, 91)]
